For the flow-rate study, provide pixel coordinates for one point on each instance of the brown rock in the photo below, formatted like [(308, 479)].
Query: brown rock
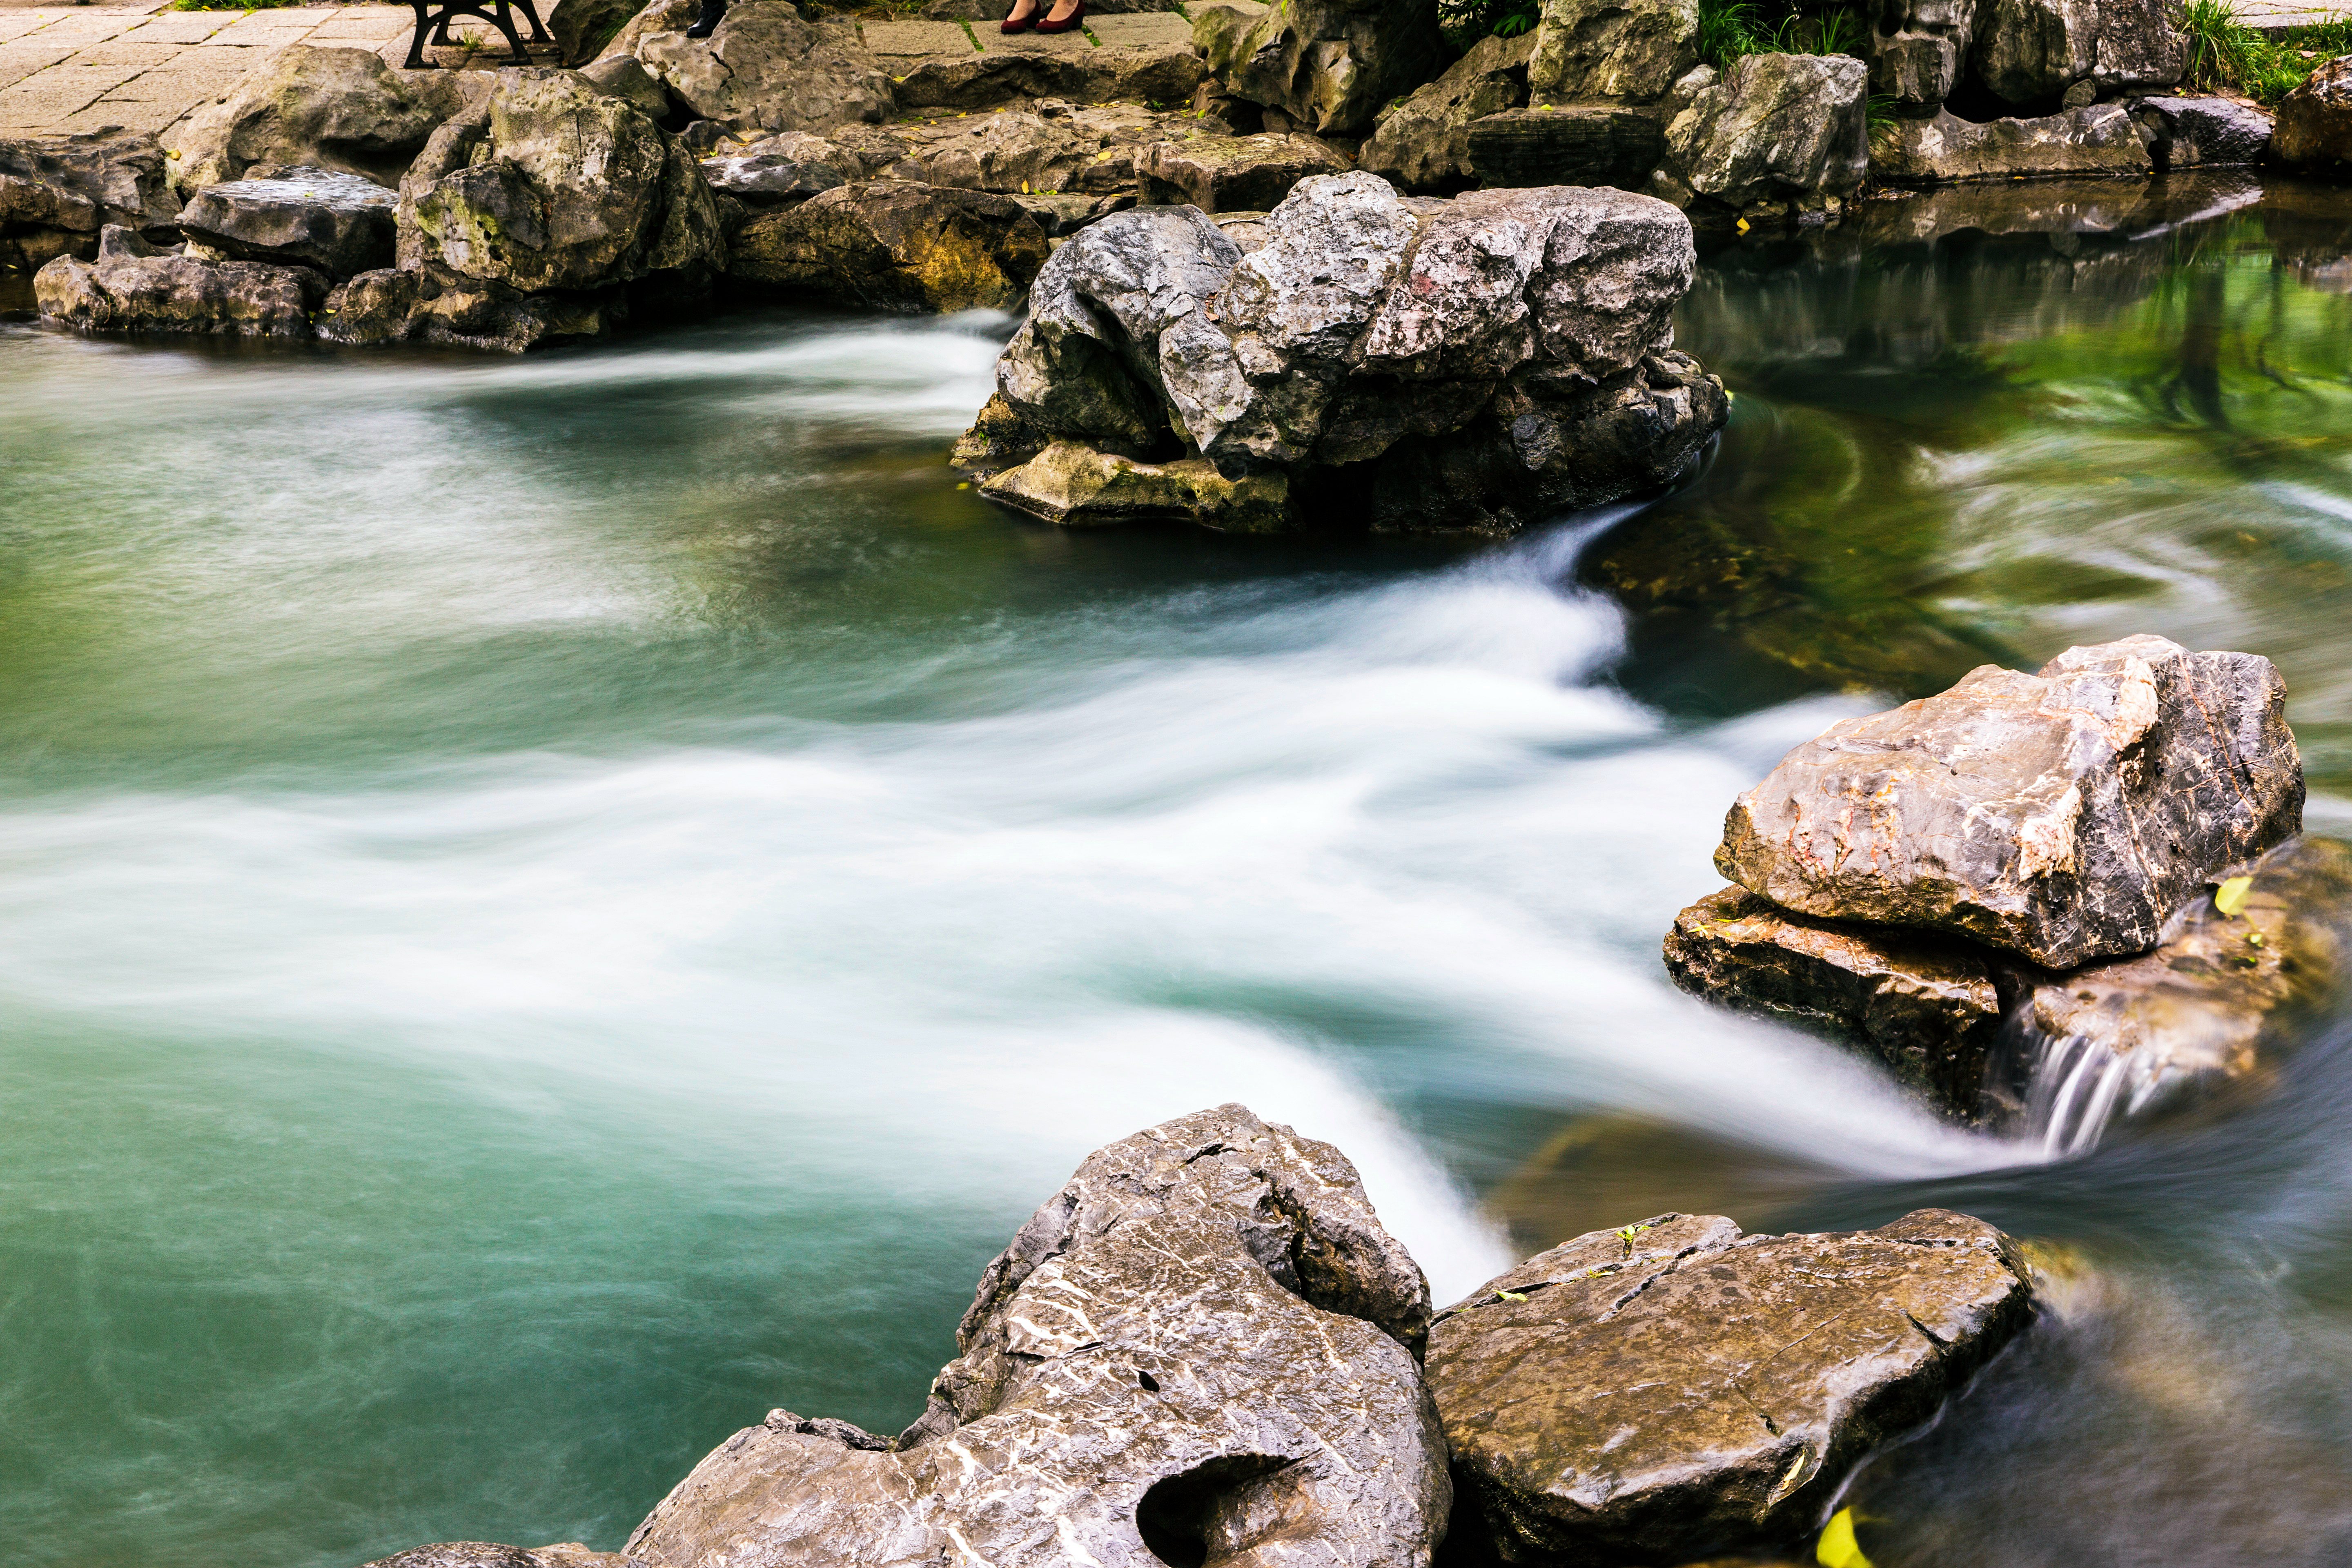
[(1612, 51), (1331, 66), (132, 287), (889, 243), (1079, 486), (1234, 173), (2313, 132), (1423, 144), (57, 191)]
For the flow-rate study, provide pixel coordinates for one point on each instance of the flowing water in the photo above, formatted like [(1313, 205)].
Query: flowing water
[(547, 907)]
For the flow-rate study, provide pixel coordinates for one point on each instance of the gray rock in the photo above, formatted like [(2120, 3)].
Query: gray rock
[(1675, 1389), (781, 170), (338, 222), (1917, 49), (1061, 217), (321, 108), (2194, 132), (2064, 816), (2099, 140), (1423, 144), (1233, 174), (57, 191), (552, 184), (132, 287), (432, 304), (1776, 128), (1202, 1348), (1582, 145), (1331, 65), (2028, 53), (487, 1554), (2314, 133), (896, 245), (1927, 1006), (625, 78), (766, 69), (1612, 51)]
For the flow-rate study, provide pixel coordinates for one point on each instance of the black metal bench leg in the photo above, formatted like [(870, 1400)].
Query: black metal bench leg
[(539, 34), (505, 24), (416, 60)]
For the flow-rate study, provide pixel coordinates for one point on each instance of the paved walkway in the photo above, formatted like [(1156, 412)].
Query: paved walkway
[(146, 68)]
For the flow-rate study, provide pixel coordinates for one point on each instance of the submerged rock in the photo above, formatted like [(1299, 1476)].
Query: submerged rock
[(339, 224), (1202, 1349), (432, 304), (2097, 139), (1079, 486), (1675, 1388), (2064, 815), (134, 287), (1423, 144), (2315, 122), (897, 245), (1331, 65), (321, 108)]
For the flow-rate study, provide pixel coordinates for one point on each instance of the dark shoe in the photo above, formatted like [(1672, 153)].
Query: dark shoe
[(708, 22), (1021, 24), (1067, 24)]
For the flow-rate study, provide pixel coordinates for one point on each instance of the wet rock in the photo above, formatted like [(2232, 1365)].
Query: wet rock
[(339, 224), (2028, 53), (2064, 816), (1612, 51), (57, 191), (2314, 133), (624, 78), (2099, 140), (1917, 49), (1234, 173), (1076, 486), (132, 287), (781, 170), (432, 304), (321, 108), (2192, 132), (1777, 127), (552, 184), (1585, 144), (1203, 1349), (486, 1554), (766, 69), (1331, 65), (899, 246), (1675, 1388), (1927, 1006), (583, 27), (1423, 144)]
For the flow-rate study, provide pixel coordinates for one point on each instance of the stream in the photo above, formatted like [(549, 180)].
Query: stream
[(550, 907)]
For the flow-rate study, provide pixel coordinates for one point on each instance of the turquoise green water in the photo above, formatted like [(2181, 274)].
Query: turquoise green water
[(549, 908)]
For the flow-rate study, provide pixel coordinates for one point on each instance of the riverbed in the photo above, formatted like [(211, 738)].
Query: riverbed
[(550, 907)]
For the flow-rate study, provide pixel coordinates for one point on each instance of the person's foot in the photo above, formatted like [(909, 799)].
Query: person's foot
[(708, 22), (1065, 14), (1024, 17)]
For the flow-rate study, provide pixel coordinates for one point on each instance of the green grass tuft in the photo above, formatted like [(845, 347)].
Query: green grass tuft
[(2226, 56)]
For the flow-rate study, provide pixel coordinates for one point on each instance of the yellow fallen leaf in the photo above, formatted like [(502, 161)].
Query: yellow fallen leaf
[(1509, 1296), (1743, 226), (1837, 1547), (2230, 896)]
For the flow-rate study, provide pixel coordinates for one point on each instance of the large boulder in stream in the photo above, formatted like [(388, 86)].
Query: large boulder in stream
[(1203, 1349), (1673, 1389), (1471, 365), (2064, 815), (322, 107)]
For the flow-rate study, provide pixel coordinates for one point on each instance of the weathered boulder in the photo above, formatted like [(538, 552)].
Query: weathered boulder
[(487, 1554), (623, 78), (552, 184), (1079, 486), (1203, 1349), (1673, 1389), (1929, 1007), (2027, 53), (2314, 133), (1053, 147), (1917, 51), (2064, 816), (57, 191), (583, 27), (338, 222), (1465, 365), (781, 170), (432, 304), (1776, 128), (320, 107), (1576, 144), (1331, 65), (1423, 144), (2201, 132), (766, 69), (2097, 139), (132, 287), (1612, 51), (899, 246), (1233, 174)]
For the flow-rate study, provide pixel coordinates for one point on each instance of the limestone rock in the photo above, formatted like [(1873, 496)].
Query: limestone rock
[(766, 69), (2099, 140), (1776, 128), (1061, 217), (2064, 816), (57, 191), (1612, 51), (132, 287), (1423, 144), (1234, 173), (1076, 486), (1163, 73), (1202, 1348), (432, 304), (552, 184), (1673, 1389), (583, 27), (2028, 53), (781, 170), (1053, 147), (1331, 65), (624, 78), (896, 245), (2315, 122), (1926, 1005), (1583, 145), (1917, 50), (338, 222), (321, 108), (2201, 132)]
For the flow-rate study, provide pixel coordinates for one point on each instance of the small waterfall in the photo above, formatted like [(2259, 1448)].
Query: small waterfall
[(2076, 1086)]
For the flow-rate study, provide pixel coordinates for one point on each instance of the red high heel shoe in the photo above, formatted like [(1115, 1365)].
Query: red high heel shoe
[(1021, 24), (1067, 24)]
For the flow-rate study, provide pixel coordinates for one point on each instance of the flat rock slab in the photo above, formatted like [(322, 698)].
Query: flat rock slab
[(1235, 173), (339, 223), (1583, 145), (1675, 1388), (2097, 139), (2064, 815)]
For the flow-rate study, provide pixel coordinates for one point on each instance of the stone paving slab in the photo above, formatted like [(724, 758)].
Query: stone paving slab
[(1154, 27), (927, 38)]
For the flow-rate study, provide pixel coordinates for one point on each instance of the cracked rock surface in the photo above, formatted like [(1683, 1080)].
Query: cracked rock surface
[(2065, 816), (1202, 1349), (1678, 1388)]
